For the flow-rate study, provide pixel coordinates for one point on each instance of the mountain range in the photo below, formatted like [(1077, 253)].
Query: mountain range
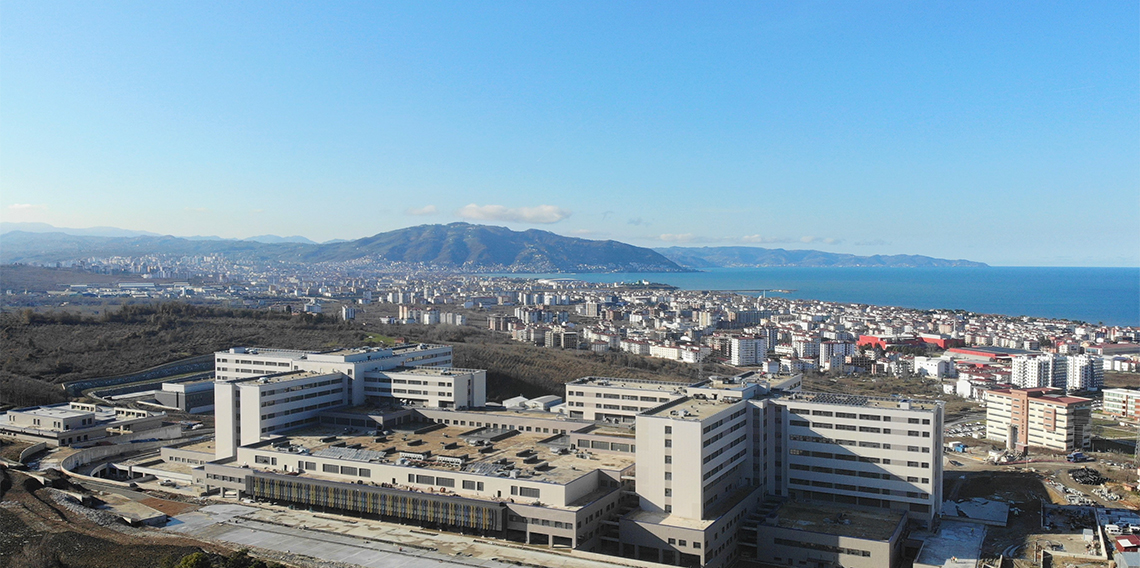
[(459, 246), (456, 246), (754, 257)]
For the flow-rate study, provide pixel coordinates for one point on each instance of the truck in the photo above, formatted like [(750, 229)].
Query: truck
[(1077, 457)]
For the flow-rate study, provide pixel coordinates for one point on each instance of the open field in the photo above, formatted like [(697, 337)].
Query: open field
[(1114, 380)]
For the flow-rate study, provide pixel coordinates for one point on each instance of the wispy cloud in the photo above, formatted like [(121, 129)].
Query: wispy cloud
[(689, 238), (26, 207), (824, 240), (761, 239), (871, 243), (542, 214), (637, 221), (587, 233), (422, 211)]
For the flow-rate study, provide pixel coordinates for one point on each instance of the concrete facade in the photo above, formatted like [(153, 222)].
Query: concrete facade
[(1040, 417)]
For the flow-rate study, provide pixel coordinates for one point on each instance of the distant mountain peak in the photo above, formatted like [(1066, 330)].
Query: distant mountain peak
[(456, 246), (752, 257)]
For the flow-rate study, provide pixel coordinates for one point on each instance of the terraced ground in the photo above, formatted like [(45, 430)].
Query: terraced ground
[(37, 532)]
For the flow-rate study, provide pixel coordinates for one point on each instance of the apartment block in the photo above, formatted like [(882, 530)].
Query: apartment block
[(1084, 372), (747, 350), (1121, 402), (1039, 417), (1035, 371)]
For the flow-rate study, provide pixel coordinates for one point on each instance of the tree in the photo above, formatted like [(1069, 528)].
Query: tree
[(195, 560)]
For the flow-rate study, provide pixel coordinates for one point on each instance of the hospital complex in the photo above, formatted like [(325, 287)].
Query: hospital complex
[(689, 474)]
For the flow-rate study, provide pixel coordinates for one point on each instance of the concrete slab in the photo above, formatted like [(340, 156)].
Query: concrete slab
[(977, 510), (957, 544)]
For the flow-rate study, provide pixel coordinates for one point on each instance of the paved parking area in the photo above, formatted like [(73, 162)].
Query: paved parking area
[(365, 543)]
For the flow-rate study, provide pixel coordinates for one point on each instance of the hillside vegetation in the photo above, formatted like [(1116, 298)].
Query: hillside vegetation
[(42, 350)]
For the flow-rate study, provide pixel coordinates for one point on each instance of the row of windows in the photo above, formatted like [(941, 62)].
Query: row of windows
[(717, 453), (271, 392), (228, 478), (534, 429), (865, 474), (846, 457), (861, 488), (714, 470), (853, 443), (718, 436), (823, 547), (266, 403), (852, 428), (874, 417)]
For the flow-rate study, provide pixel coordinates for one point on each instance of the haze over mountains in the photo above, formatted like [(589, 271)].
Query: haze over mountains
[(752, 257), (457, 246)]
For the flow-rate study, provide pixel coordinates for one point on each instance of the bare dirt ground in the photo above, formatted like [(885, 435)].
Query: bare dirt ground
[(1027, 487), (36, 530)]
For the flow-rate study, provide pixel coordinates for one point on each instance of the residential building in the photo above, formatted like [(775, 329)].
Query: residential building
[(1124, 403), (1084, 372), (1039, 417), (1041, 370), (747, 350)]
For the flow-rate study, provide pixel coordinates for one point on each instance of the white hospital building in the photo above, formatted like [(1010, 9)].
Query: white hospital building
[(691, 474)]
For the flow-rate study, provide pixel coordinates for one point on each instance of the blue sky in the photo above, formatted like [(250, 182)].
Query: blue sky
[(1002, 132)]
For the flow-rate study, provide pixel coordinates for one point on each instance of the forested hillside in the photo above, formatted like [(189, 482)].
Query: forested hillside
[(42, 350)]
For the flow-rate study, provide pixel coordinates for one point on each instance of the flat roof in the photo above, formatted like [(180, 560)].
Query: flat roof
[(482, 451), (638, 384), (690, 408), (871, 525), (862, 401), (433, 371), (204, 446), (283, 377), (60, 412), (956, 544)]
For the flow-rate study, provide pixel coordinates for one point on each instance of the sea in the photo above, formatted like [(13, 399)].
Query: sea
[(1094, 295)]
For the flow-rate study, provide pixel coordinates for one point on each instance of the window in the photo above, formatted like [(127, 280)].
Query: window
[(528, 492), (668, 459), (668, 429), (696, 545), (668, 476), (668, 443), (682, 543)]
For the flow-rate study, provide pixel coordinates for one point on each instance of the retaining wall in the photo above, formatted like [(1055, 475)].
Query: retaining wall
[(188, 365), (32, 450)]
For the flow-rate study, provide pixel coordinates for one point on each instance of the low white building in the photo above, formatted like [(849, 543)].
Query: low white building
[(70, 423)]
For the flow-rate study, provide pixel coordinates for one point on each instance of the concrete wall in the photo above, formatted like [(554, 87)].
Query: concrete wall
[(32, 450), (188, 365), (88, 455)]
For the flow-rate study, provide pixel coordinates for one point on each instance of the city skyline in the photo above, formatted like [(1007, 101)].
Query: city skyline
[(990, 133)]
